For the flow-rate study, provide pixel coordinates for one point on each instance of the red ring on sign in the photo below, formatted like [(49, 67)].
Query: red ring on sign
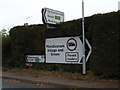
[(75, 44)]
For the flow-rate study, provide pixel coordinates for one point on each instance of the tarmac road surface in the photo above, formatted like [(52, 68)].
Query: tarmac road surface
[(17, 84), (61, 82)]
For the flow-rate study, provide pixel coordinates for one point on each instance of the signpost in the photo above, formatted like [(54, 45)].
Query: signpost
[(51, 16), (83, 33), (64, 50), (35, 58), (69, 50)]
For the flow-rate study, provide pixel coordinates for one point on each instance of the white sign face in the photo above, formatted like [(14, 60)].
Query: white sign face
[(52, 16), (35, 58), (64, 50)]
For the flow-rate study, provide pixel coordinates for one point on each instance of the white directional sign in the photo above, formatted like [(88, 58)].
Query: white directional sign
[(90, 51), (64, 50), (51, 16), (35, 58)]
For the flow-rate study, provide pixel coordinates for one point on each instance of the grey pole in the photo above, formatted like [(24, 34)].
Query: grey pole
[(83, 37)]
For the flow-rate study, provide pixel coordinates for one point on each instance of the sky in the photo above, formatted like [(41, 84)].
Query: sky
[(17, 12)]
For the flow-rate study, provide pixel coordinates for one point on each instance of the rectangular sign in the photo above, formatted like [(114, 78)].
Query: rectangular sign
[(51, 16), (64, 50), (71, 56), (35, 58)]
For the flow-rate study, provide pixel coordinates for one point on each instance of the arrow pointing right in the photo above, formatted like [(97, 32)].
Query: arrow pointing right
[(89, 50)]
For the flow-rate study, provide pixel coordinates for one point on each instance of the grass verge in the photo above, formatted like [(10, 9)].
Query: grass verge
[(75, 76)]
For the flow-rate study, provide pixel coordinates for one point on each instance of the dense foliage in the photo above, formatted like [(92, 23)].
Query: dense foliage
[(6, 51), (101, 30), (105, 36)]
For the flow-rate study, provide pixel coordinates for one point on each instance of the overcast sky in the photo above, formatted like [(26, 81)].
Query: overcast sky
[(15, 12)]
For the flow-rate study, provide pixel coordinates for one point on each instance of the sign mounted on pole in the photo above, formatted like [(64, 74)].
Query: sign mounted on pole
[(50, 16), (64, 50)]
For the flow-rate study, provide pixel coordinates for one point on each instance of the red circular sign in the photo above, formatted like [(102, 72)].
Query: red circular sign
[(71, 44)]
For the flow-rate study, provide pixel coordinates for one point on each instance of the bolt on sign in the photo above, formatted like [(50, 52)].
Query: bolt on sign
[(50, 16), (35, 58), (64, 50)]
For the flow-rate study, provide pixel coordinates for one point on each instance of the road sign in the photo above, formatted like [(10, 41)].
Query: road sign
[(51, 16), (71, 44), (64, 50), (35, 58), (90, 49)]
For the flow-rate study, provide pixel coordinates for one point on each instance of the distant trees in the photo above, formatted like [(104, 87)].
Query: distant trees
[(4, 32), (6, 49)]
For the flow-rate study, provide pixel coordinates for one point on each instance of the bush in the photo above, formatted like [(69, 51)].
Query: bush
[(104, 60)]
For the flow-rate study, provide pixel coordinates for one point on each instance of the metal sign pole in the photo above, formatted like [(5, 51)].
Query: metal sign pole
[(83, 37)]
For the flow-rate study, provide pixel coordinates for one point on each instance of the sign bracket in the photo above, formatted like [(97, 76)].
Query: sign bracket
[(50, 26)]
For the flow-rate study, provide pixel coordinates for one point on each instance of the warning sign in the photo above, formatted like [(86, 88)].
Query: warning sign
[(71, 44)]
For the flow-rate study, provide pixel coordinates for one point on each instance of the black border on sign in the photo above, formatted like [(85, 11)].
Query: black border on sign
[(72, 61), (67, 44)]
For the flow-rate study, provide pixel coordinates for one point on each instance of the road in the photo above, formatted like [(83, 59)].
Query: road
[(7, 83)]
